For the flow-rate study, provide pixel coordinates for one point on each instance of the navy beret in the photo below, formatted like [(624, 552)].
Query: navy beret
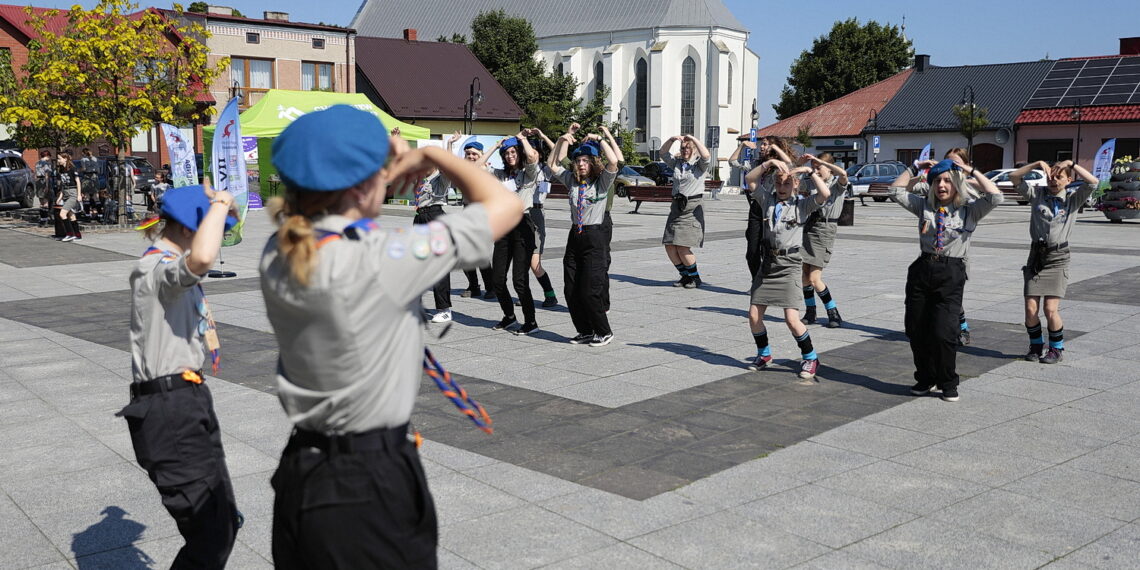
[(330, 150), (944, 166), (508, 143), (475, 145), (588, 148), (188, 205)]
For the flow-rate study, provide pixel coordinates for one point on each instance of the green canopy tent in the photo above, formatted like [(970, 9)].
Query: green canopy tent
[(278, 108)]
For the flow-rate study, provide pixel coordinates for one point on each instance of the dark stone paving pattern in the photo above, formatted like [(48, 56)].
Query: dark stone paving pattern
[(638, 450), (20, 249), (1120, 287)]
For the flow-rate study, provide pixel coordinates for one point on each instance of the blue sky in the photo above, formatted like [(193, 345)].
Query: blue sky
[(972, 32)]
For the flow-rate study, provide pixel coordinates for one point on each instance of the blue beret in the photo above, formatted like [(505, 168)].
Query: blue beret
[(330, 150), (188, 205), (513, 141), (588, 148), (943, 166), (475, 145)]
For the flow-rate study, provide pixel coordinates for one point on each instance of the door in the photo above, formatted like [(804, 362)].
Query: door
[(988, 157)]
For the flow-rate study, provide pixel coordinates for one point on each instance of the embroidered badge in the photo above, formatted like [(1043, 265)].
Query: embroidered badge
[(396, 249), (421, 229), (420, 249), (438, 244)]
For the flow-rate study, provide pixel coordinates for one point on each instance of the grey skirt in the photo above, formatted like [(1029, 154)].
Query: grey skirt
[(819, 238), (686, 224), (1049, 277), (779, 282), (539, 218)]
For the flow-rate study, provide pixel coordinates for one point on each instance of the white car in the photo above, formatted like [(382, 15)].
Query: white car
[(1035, 178)]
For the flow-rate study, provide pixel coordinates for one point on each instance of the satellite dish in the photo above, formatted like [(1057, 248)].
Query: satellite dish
[(1002, 136)]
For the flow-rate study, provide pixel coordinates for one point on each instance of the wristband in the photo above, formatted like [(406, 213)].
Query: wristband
[(223, 202)]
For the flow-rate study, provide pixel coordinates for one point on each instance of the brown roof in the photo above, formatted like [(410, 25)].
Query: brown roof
[(430, 80), (845, 116), (263, 22)]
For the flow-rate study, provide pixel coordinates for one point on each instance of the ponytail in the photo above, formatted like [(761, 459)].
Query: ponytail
[(296, 238)]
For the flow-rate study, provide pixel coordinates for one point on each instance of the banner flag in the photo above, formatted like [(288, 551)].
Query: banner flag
[(1102, 166), (183, 168), (228, 167)]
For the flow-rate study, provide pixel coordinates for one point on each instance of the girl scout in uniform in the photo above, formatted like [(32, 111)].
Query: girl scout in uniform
[(171, 414), (431, 197), (538, 216), (685, 228), (343, 298), (777, 282), (584, 265), (935, 280), (520, 175), (819, 238), (67, 180), (473, 152), (1047, 270)]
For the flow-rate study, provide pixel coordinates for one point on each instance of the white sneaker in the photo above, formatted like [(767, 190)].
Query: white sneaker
[(67, 238), (602, 340), (443, 316)]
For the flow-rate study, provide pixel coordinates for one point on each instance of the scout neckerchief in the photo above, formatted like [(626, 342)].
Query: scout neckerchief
[(940, 229), (580, 209), (443, 380), (421, 189), (1055, 204), (207, 328)]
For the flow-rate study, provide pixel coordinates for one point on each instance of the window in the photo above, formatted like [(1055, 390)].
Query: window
[(1125, 147), (641, 105), (599, 81), (252, 38), (909, 155), (688, 96), (252, 77), (730, 83), (561, 69), (318, 43), (316, 76)]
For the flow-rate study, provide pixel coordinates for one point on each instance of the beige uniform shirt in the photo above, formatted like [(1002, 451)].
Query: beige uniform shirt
[(169, 315)]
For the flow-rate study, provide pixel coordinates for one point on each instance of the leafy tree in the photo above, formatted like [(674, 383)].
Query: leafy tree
[(803, 136), (851, 56), (204, 8), (111, 73), (455, 39), (969, 124)]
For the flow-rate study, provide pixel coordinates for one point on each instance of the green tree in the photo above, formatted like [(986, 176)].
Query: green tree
[(455, 39), (803, 136), (204, 8), (970, 123), (851, 56), (112, 72)]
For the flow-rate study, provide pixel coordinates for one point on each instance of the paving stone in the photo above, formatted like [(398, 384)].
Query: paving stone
[(809, 461), (1031, 440), (740, 543), (460, 498), (838, 559), (24, 545), (903, 487), (527, 537), (926, 543), (624, 518), (823, 515), (620, 555), (973, 462), (1080, 422), (876, 440), (1118, 549), (1085, 490)]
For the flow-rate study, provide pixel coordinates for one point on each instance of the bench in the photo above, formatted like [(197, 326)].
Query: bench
[(639, 194), (878, 191)]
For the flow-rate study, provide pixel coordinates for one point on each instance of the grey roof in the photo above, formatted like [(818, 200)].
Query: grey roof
[(434, 18), (924, 102)]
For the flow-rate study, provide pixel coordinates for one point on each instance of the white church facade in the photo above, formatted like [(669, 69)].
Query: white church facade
[(673, 66)]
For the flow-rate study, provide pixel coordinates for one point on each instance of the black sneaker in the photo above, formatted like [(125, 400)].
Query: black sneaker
[(685, 279), (809, 316), (527, 328), (489, 296), (921, 389), (469, 292), (582, 338), (964, 337), (550, 302), (950, 395), (506, 322), (602, 340), (1053, 356), (518, 303), (694, 282), (834, 321), (1035, 353)]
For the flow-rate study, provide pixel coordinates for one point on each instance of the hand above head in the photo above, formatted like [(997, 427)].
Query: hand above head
[(593, 137), (605, 130), (454, 137), (395, 131), (573, 128), (926, 164)]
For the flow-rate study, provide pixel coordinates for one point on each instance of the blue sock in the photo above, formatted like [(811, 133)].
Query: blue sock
[(829, 305), (1057, 339), (692, 271), (962, 321), (680, 268), (825, 296), (761, 340), (809, 296), (804, 341), (1035, 334)]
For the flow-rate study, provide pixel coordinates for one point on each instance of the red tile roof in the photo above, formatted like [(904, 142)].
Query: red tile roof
[(1100, 114), (845, 116), (16, 16), (430, 80)]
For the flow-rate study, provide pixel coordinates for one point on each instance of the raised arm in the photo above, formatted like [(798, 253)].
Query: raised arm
[(704, 152), (666, 146), (986, 184), (529, 153), (834, 168), (1085, 175), (609, 149), (822, 191), (207, 240), (1018, 175), (753, 177), (452, 140), (618, 156), (554, 161), (545, 139), (482, 162)]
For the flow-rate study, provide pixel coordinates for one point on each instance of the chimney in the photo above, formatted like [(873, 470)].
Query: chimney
[(276, 16), (921, 62), (220, 10), (1129, 46), (410, 34)]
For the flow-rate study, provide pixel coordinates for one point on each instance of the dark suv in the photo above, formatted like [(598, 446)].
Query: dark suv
[(17, 181), (873, 178), (141, 172)]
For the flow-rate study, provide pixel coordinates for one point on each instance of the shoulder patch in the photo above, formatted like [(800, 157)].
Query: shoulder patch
[(421, 229), (420, 248), (396, 249)]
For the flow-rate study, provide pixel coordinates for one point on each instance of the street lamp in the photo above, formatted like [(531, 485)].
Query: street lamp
[(970, 136), (873, 120), (755, 115), (474, 99), (235, 91), (1076, 116)]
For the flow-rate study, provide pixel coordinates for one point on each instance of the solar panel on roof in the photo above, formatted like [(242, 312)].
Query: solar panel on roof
[(1105, 81)]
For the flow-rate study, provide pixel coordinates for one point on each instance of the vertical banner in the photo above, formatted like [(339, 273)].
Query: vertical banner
[(228, 167), (1102, 166), (925, 154), (183, 169)]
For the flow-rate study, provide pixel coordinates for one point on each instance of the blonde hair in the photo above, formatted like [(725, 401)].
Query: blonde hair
[(296, 238), (963, 190)]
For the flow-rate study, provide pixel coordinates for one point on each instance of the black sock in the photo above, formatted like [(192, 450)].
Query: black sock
[(1035, 334), (962, 324), (761, 340), (69, 227), (692, 270), (825, 296), (806, 349), (547, 288), (75, 224), (809, 296), (680, 268), (1057, 339)]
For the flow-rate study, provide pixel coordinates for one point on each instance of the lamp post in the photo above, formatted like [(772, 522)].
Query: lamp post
[(873, 120), (235, 91), (970, 130), (474, 98), (1076, 116), (755, 115)]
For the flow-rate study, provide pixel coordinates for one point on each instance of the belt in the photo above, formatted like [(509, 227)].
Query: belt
[(429, 207), (938, 257), (536, 207), (833, 220), (1052, 248), (372, 440), (788, 251), (166, 383)]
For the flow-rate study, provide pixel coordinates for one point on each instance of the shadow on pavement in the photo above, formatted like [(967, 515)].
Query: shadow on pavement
[(114, 532)]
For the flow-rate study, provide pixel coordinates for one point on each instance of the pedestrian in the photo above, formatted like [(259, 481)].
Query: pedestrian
[(685, 228), (70, 189), (171, 416), (89, 171), (819, 238), (538, 216), (608, 223), (777, 283), (1046, 273), (343, 299), (935, 280), (473, 152), (513, 251), (430, 198), (157, 189), (584, 264)]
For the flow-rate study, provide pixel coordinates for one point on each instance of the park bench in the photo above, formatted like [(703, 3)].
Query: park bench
[(639, 194)]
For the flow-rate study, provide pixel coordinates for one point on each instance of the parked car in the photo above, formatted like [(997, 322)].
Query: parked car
[(862, 176), (660, 174), (627, 176), (17, 181), (1000, 177), (141, 172)]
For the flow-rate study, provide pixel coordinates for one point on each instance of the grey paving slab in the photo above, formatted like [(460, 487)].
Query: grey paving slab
[(903, 487), (838, 559), (1035, 390), (624, 518), (530, 486), (1030, 440), (1085, 490), (459, 498), (823, 515), (876, 440), (525, 537), (740, 543), (1117, 550), (617, 556), (1081, 422), (973, 462), (24, 545), (926, 543)]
